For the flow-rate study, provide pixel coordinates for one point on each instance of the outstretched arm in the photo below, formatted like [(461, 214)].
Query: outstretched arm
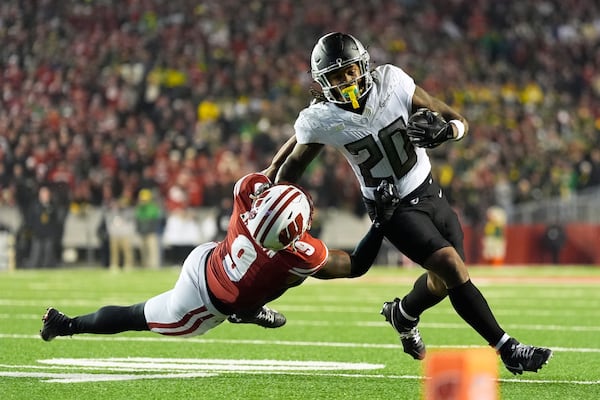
[(296, 161), (340, 264), (279, 158)]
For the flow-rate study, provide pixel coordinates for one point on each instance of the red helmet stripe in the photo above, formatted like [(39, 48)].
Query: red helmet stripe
[(267, 214), (279, 209)]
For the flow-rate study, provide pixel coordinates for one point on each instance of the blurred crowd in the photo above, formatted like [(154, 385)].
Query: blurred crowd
[(102, 99)]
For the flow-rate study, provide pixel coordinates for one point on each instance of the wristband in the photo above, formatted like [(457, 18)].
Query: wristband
[(460, 127)]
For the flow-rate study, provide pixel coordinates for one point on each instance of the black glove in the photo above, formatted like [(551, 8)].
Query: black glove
[(260, 190), (426, 128), (386, 201)]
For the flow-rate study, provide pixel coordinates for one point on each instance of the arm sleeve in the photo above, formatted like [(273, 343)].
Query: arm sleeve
[(365, 252)]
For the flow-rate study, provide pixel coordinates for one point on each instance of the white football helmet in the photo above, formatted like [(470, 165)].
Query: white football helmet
[(279, 216)]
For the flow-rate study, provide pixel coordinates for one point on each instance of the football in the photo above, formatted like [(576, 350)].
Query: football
[(426, 128)]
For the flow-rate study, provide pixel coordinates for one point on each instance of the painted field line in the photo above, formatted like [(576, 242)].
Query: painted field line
[(383, 324), (514, 304), (163, 340), (119, 368), (75, 377), (459, 325), (592, 314)]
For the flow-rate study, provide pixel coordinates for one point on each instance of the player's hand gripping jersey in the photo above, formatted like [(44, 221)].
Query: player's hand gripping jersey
[(374, 142), (242, 274)]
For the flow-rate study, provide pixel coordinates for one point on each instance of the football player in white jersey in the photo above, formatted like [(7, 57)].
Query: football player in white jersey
[(267, 249), (382, 122)]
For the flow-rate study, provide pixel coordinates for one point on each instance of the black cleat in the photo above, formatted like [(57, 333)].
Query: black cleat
[(265, 317), (408, 331), (519, 357), (55, 324)]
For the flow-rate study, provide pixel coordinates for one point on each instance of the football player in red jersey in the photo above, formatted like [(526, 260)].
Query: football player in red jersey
[(267, 249), (382, 122)]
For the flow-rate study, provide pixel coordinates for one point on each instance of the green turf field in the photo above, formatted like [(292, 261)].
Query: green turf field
[(334, 346)]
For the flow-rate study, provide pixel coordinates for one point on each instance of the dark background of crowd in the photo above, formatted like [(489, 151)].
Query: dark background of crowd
[(103, 98)]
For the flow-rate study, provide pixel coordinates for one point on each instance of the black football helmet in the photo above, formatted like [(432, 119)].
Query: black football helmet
[(334, 51)]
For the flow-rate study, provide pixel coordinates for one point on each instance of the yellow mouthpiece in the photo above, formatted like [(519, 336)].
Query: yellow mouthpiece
[(351, 93)]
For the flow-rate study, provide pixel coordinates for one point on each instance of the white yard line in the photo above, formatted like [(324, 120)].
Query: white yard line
[(159, 339), (383, 324), (116, 374), (56, 370)]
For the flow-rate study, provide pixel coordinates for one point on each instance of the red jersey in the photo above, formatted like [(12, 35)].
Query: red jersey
[(241, 273)]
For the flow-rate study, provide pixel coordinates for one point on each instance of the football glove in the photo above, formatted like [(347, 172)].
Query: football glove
[(260, 189), (426, 128), (386, 201)]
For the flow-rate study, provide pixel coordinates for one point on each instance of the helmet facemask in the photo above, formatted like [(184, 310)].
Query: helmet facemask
[(337, 51)]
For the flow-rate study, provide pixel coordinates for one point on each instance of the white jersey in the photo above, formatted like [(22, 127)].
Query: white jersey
[(374, 142)]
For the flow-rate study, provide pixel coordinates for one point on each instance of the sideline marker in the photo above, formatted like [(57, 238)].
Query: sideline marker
[(470, 374)]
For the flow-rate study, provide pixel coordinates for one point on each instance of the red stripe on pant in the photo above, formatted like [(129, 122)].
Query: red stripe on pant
[(182, 322), (191, 329)]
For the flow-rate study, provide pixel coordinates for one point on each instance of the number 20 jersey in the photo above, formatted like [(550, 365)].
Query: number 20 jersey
[(374, 142), (242, 274)]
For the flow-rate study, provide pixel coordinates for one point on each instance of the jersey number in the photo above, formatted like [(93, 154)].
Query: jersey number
[(399, 152), (240, 258), (243, 254)]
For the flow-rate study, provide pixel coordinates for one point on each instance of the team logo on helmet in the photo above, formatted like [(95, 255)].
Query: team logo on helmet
[(279, 216)]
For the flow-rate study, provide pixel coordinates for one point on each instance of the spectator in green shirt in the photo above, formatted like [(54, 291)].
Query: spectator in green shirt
[(148, 216)]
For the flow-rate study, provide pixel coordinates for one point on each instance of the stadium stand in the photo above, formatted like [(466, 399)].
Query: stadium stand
[(101, 99)]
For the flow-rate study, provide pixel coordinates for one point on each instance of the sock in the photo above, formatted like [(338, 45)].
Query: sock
[(111, 319), (419, 299), (470, 304), (503, 340)]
